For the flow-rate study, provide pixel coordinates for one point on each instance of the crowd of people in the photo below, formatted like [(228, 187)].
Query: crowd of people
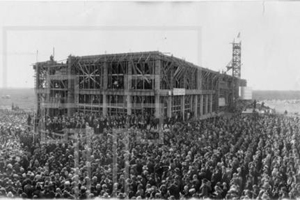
[(226, 157), (142, 121), (99, 122)]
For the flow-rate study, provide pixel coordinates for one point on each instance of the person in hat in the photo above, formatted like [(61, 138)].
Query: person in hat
[(204, 188)]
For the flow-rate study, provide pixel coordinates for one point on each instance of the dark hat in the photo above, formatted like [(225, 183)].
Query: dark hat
[(24, 195)]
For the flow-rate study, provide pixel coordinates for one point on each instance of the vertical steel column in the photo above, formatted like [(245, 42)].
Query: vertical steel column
[(76, 91), (37, 76), (211, 103), (157, 87), (218, 93), (191, 102), (105, 81), (199, 79), (201, 104), (206, 103), (170, 97), (70, 97), (47, 96), (128, 86), (169, 112), (183, 106), (195, 109)]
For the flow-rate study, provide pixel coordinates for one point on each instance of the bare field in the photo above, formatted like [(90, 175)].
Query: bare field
[(284, 106), (280, 100), (24, 98), (275, 95)]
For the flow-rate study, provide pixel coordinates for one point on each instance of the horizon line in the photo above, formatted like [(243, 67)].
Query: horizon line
[(1, 88)]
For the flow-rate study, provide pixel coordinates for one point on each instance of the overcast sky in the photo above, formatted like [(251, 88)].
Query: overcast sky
[(199, 32)]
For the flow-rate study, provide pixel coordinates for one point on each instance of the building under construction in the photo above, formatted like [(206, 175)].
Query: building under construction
[(130, 83)]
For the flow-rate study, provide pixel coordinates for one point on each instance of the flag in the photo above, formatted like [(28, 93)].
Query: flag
[(239, 35)]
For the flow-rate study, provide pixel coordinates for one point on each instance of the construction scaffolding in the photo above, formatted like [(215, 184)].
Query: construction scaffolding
[(130, 83)]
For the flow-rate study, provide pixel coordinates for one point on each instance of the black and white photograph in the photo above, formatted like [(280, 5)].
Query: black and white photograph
[(170, 100)]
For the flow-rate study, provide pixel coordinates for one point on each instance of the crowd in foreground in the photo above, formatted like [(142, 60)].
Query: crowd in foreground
[(142, 121), (228, 157)]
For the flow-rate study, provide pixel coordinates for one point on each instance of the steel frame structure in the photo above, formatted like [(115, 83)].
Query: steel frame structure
[(129, 83)]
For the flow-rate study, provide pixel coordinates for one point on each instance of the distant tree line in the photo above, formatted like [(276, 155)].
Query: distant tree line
[(279, 95)]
